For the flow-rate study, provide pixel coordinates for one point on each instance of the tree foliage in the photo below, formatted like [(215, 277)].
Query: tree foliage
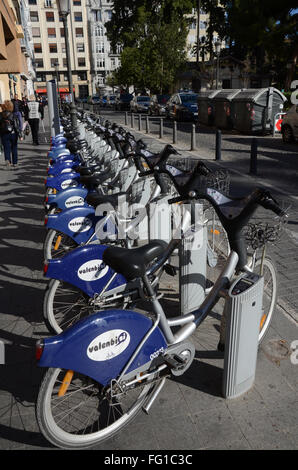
[(153, 36)]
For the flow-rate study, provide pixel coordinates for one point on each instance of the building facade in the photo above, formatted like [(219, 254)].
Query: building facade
[(49, 46), (103, 60), (14, 72)]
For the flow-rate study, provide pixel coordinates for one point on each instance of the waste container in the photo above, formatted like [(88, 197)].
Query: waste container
[(222, 104), (205, 107), (255, 109)]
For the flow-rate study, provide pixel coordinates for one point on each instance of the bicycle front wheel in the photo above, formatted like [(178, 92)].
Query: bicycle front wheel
[(269, 293), (57, 244), (86, 413)]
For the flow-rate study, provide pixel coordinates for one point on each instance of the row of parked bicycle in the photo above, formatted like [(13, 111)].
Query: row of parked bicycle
[(106, 362)]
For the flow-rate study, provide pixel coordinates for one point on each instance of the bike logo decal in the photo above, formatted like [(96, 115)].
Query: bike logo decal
[(68, 183), (108, 345), (66, 170), (80, 224), (92, 270), (74, 201)]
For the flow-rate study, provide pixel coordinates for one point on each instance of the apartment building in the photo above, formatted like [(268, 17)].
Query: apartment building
[(198, 28), (103, 59), (49, 46), (16, 71)]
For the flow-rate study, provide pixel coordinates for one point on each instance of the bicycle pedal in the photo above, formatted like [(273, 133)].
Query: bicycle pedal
[(174, 362), (170, 269)]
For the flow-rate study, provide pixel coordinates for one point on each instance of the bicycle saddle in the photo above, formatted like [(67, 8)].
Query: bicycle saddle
[(132, 263)]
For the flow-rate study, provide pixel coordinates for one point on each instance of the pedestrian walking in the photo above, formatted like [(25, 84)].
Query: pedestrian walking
[(18, 110), (9, 130), (33, 114)]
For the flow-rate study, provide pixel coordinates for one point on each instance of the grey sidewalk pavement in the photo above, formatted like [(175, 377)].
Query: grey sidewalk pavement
[(190, 412)]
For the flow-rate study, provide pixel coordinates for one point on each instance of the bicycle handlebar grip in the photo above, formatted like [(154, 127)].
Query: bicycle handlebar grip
[(269, 203), (145, 173)]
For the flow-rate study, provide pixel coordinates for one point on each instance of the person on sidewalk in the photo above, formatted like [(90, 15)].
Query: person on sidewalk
[(9, 130), (33, 113), (18, 109)]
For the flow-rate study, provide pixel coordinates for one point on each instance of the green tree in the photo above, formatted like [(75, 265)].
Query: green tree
[(153, 36)]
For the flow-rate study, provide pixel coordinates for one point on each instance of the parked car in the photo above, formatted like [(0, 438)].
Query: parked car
[(289, 125), (103, 101), (95, 99), (111, 101), (157, 105), (182, 106), (122, 101), (140, 104)]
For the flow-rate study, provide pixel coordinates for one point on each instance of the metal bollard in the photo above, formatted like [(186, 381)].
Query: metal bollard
[(147, 125), (131, 120), (126, 118), (140, 122), (174, 132), (193, 137), (253, 156), (161, 128), (218, 145)]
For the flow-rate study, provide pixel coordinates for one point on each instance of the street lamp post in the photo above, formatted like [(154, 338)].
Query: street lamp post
[(217, 51), (64, 10), (57, 80)]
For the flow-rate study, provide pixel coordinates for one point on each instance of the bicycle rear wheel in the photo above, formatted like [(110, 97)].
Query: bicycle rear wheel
[(86, 414)]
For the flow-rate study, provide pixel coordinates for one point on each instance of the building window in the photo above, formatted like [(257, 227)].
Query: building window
[(54, 61), (98, 31), (193, 25), (202, 24), (62, 33), (82, 76), (64, 62), (99, 47), (79, 33), (34, 16), (109, 14), (81, 62), (39, 63), (96, 15), (100, 62), (36, 32), (32, 2), (53, 48), (80, 47), (37, 48), (48, 3), (78, 16), (40, 77), (118, 48), (50, 16), (51, 32), (76, 3)]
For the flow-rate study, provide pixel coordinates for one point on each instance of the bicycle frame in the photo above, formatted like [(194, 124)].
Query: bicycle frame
[(115, 345)]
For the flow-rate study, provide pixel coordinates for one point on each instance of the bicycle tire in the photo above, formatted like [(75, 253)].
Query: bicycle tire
[(63, 306), (57, 244), (269, 295), (81, 409)]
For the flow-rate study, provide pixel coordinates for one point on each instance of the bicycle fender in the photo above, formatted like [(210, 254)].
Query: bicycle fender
[(84, 268), (61, 168), (100, 345), (72, 197), (63, 181), (77, 222)]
